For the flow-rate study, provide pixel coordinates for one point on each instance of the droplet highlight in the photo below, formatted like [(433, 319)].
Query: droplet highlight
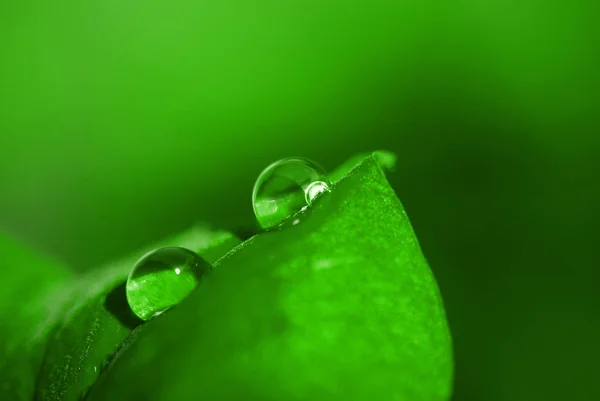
[(287, 187), (162, 278)]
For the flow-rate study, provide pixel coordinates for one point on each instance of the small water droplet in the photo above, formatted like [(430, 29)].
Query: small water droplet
[(287, 187), (162, 278)]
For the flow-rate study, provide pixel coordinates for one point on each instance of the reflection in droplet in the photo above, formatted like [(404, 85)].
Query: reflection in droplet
[(287, 187), (163, 278), (316, 189)]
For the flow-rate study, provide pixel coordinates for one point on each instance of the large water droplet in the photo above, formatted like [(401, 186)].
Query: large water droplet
[(287, 187), (163, 278)]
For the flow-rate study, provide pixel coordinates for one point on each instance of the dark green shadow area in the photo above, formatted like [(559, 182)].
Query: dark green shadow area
[(116, 304)]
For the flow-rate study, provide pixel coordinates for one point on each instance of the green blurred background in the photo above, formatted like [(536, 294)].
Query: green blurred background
[(124, 121)]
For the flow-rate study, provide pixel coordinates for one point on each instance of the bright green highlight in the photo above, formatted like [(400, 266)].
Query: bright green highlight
[(340, 307), (285, 188), (163, 278)]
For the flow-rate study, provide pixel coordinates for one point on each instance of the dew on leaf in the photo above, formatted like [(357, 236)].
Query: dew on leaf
[(162, 278), (287, 187)]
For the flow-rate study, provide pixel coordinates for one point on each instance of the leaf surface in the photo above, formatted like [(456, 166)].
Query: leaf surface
[(63, 329), (341, 305)]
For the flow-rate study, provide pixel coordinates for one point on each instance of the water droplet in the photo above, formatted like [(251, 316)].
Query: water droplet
[(287, 187), (163, 278)]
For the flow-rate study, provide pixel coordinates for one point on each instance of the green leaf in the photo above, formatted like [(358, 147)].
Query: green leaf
[(341, 306), (78, 323), (26, 315)]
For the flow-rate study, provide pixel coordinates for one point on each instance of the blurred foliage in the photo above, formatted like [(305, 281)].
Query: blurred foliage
[(121, 122)]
